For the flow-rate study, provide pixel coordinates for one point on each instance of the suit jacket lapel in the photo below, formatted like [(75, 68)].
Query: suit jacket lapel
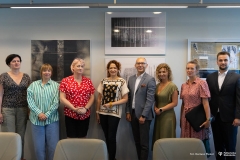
[(134, 82), (142, 79), (216, 81), (226, 79)]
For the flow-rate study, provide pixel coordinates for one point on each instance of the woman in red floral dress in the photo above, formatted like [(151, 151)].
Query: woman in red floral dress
[(194, 92), (77, 95)]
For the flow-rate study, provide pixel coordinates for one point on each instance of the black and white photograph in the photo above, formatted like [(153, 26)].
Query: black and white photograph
[(135, 33), (59, 54)]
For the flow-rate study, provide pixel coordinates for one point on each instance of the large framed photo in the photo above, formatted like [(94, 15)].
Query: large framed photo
[(59, 54), (205, 51), (128, 64), (135, 33)]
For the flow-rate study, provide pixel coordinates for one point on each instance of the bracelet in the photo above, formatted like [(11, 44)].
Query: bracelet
[(110, 105)]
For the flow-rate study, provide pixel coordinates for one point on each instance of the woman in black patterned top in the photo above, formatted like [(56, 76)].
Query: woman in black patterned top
[(112, 94), (13, 97)]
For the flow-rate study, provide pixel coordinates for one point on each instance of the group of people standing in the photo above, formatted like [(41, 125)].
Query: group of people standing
[(219, 94), (38, 101)]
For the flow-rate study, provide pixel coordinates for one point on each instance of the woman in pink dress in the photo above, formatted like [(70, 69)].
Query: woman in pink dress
[(194, 92)]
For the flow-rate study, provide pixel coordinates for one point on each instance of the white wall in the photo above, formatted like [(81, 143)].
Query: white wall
[(19, 27)]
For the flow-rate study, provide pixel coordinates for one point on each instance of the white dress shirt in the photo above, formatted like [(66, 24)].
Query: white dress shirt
[(221, 77), (136, 85)]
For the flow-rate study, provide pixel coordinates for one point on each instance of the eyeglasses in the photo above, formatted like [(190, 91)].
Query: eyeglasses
[(140, 63)]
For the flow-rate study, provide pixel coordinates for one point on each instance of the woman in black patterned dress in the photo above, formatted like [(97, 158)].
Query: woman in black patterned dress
[(13, 98)]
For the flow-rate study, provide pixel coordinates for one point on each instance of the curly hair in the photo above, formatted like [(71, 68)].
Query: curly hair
[(166, 66), (118, 65)]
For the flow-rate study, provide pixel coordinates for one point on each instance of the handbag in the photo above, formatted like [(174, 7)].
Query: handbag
[(196, 117)]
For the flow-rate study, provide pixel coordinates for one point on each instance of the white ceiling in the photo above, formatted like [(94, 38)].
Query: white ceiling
[(112, 1)]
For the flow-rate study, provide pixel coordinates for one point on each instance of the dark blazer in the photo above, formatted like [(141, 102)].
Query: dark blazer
[(228, 98), (144, 97)]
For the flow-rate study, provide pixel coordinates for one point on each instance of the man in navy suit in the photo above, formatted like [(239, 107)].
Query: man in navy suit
[(224, 86), (139, 109)]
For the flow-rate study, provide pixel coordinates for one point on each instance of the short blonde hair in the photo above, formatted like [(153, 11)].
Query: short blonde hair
[(45, 67), (166, 66), (75, 61)]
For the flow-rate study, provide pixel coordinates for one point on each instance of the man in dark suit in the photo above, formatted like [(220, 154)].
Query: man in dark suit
[(139, 109), (224, 87)]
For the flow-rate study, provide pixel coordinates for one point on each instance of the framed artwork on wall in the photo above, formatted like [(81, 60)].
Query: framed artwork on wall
[(128, 64), (59, 54), (135, 33), (205, 51)]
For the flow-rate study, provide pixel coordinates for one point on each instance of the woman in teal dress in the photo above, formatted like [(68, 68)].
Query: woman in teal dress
[(166, 98)]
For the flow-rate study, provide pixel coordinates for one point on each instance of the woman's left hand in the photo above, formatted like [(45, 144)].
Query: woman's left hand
[(157, 111), (206, 124)]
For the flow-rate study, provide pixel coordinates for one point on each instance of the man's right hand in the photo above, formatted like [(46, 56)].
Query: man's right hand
[(128, 117)]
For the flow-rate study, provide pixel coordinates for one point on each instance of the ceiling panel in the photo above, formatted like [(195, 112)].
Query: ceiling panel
[(112, 1)]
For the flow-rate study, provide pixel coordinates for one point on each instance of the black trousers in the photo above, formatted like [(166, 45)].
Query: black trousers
[(141, 136), (110, 125), (225, 138)]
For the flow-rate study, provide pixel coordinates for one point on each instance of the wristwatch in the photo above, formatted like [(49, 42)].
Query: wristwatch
[(160, 110), (210, 119)]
